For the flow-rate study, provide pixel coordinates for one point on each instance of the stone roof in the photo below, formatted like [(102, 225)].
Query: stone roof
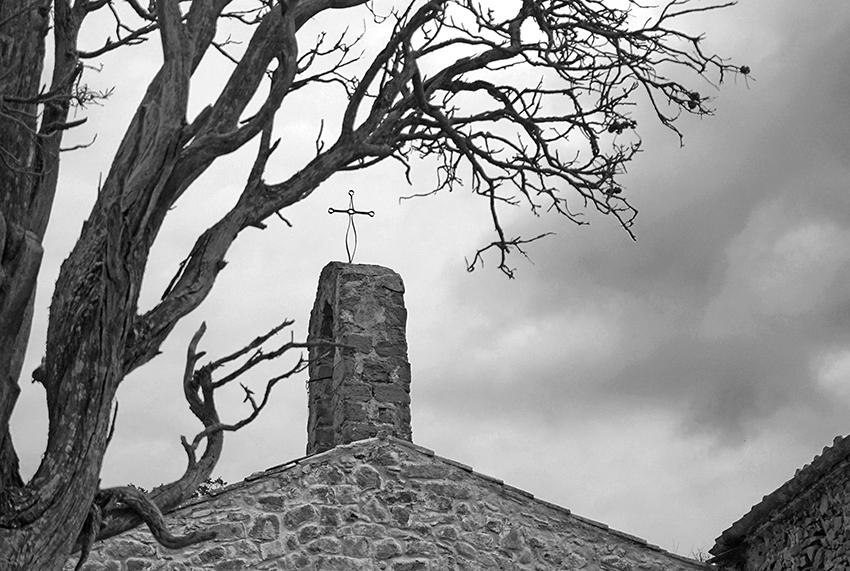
[(734, 537), (495, 484)]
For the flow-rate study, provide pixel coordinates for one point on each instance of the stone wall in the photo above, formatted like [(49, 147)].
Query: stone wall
[(360, 386), (383, 504), (804, 525)]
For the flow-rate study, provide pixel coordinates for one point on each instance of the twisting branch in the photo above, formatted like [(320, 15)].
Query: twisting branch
[(124, 507), (200, 386), (134, 37), (300, 366), (253, 360), (137, 501), (529, 105)]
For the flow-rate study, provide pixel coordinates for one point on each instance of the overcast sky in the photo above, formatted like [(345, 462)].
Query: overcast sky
[(661, 386)]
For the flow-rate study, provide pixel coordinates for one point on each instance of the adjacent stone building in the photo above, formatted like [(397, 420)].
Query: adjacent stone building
[(805, 524), (365, 497)]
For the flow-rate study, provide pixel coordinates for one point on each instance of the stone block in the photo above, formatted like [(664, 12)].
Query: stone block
[(125, 548), (231, 565), (168, 566), (212, 554), (336, 563), (357, 391), (273, 549), (387, 549), (329, 517), (343, 369), (325, 545), (424, 471), (449, 490), (391, 281), (354, 546), (104, 566), (377, 370), (350, 411), (466, 550), (273, 503), (420, 548), (308, 533), (367, 477), (386, 415), (296, 517), (392, 393), (265, 528), (323, 494), (401, 373), (359, 343), (137, 564), (299, 561), (228, 530), (401, 515), (391, 348), (354, 431), (375, 511), (385, 457), (412, 565)]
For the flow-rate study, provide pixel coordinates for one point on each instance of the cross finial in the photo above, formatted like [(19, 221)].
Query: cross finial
[(351, 248)]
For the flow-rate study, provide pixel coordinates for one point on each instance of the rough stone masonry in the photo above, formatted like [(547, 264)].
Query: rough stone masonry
[(382, 504), (360, 382)]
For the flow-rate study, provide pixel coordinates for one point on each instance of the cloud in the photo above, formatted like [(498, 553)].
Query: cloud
[(833, 373), (783, 264)]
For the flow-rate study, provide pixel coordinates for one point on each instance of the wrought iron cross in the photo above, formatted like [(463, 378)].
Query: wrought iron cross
[(351, 248)]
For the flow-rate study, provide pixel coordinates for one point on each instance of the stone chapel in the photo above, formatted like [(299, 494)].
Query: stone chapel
[(365, 497)]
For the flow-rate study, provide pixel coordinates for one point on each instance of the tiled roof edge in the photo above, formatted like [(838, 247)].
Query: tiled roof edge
[(592, 522), (409, 444), (456, 464), (782, 496)]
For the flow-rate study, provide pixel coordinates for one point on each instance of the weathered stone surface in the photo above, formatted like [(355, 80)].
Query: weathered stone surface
[(387, 549), (215, 553), (138, 564), (384, 504), (811, 531), (297, 516), (359, 386), (98, 566), (124, 548), (265, 528)]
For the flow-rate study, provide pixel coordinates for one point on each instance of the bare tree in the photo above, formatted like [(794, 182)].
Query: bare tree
[(528, 100)]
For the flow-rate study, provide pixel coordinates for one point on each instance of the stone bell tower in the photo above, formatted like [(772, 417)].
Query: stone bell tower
[(360, 385)]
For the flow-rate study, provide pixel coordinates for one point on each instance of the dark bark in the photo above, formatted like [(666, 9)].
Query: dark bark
[(29, 164)]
